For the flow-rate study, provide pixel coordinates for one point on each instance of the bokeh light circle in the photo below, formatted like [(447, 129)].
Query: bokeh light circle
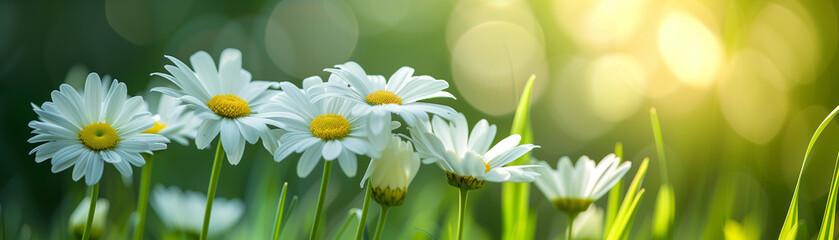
[(145, 21), (491, 63), (615, 83), (751, 104), (787, 36), (302, 38), (569, 100), (469, 13), (689, 49)]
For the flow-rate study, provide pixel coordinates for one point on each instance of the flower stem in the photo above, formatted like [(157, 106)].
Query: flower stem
[(464, 194), (143, 200), (327, 168), (382, 217), (211, 191), (280, 207), (571, 218), (363, 222), (94, 195)]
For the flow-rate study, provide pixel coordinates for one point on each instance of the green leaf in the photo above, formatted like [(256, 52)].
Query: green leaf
[(792, 214), (628, 207), (515, 196), (828, 222), (614, 194)]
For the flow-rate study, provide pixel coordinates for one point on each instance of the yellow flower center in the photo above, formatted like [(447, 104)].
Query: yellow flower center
[(229, 106), (330, 127), (380, 97), (487, 169), (99, 136), (156, 128)]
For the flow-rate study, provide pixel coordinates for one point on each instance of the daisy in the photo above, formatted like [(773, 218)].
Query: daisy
[(389, 177), (467, 158), (391, 173), (400, 94), (572, 189), (78, 218), (172, 119), (224, 98), (90, 129), (227, 102), (182, 211), (325, 129)]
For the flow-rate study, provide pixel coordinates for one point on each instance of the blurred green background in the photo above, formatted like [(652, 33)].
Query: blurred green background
[(739, 85)]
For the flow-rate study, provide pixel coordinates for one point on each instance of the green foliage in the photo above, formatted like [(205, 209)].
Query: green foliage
[(788, 230), (619, 229), (515, 196), (828, 222), (615, 193)]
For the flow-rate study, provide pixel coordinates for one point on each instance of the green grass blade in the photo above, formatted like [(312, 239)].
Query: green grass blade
[(792, 214), (515, 196), (664, 212), (665, 204), (614, 194), (630, 202), (828, 222)]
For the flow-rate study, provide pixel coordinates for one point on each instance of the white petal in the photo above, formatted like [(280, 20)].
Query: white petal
[(348, 163), (332, 149), (309, 160), (207, 131)]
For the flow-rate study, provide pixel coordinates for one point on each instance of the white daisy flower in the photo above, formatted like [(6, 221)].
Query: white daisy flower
[(184, 211), (401, 94), (172, 119), (392, 172), (573, 189), (87, 130), (78, 219), (467, 158), (319, 129), (224, 98)]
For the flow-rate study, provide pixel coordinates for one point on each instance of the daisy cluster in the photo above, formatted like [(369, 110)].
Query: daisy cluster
[(350, 114)]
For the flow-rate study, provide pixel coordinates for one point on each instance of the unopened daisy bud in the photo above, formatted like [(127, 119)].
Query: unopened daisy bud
[(391, 173), (589, 224), (79, 218)]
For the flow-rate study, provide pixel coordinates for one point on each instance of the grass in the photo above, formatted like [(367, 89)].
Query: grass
[(620, 228), (665, 203), (790, 227), (515, 199)]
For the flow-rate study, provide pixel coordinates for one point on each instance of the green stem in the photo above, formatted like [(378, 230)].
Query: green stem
[(211, 191), (327, 168), (143, 200), (382, 218), (94, 195), (363, 222), (280, 205), (464, 194), (571, 218)]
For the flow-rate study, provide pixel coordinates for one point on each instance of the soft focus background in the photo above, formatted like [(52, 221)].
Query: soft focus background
[(739, 85)]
